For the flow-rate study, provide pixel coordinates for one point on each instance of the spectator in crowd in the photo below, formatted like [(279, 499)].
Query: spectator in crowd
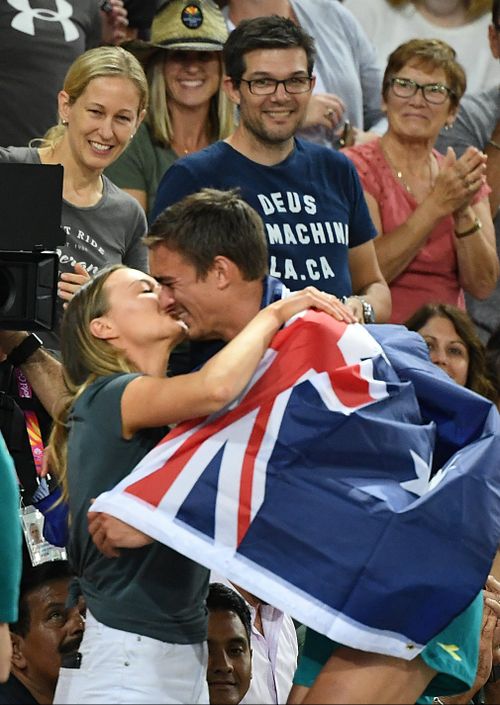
[(478, 124), (217, 303), (188, 108), (460, 23), (10, 556), (274, 649), (348, 78), (435, 233), (100, 108), (309, 196), (46, 634), (229, 670), (454, 345), (39, 40), (116, 340)]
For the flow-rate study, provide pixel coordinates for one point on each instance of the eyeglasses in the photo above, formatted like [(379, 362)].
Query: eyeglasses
[(435, 93), (268, 86)]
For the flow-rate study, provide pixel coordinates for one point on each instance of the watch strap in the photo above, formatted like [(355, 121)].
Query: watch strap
[(24, 350)]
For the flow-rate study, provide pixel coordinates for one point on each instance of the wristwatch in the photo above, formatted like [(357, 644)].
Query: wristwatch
[(368, 312), (24, 350)]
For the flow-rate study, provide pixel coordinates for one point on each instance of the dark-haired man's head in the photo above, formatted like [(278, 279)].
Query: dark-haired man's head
[(268, 63), (202, 249), (46, 629), (229, 654)]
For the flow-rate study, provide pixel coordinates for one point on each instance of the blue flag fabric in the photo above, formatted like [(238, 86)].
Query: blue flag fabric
[(353, 485)]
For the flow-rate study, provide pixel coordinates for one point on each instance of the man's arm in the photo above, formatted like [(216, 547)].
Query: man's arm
[(352, 676), (368, 281), (42, 370)]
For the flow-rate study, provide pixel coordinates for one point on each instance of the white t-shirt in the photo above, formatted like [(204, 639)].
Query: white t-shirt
[(388, 27)]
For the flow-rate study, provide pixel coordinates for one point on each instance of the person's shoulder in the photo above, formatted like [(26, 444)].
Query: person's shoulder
[(19, 155), (318, 152), (119, 197), (110, 384), (364, 154), (206, 156)]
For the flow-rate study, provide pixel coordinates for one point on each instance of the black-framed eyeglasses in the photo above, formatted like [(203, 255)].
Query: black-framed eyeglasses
[(268, 86), (435, 93)]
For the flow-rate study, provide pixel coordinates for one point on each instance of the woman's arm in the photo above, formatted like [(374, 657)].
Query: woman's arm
[(149, 402), (478, 266)]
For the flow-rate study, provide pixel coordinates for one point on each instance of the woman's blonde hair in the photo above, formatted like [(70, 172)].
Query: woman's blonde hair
[(101, 62), (221, 112), (85, 358), (475, 8)]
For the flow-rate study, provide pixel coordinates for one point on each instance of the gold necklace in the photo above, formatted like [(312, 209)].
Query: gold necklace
[(399, 173)]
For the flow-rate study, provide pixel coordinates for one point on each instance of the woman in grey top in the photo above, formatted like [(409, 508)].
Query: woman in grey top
[(100, 108)]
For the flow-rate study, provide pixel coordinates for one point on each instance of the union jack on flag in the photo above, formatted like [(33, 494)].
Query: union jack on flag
[(352, 484)]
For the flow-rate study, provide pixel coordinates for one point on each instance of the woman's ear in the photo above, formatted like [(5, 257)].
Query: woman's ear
[(101, 328), (64, 105)]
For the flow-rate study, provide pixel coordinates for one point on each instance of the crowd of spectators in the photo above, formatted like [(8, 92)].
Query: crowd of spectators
[(231, 153)]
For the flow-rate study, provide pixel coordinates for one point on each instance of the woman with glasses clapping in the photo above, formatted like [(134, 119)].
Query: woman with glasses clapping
[(435, 232)]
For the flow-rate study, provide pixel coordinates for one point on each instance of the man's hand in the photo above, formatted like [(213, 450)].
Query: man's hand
[(324, 109), (69, 282), (110, 534), (114, 22)]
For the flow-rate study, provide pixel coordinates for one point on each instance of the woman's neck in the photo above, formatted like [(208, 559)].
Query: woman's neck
[(82, 187), (444, 13), (190, 128)]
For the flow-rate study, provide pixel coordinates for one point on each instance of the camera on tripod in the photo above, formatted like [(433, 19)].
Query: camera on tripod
[(30, 230)]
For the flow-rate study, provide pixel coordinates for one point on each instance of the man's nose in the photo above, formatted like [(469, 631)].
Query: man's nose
[(75, 623), (166, 297), (221, 662)]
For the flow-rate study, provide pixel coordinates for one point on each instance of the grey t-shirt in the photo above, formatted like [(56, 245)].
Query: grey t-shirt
[(109, 232), (39, 40), (152, 591), (476, 120)]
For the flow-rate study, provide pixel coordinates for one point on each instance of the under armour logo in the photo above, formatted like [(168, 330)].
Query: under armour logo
[(24, 21)]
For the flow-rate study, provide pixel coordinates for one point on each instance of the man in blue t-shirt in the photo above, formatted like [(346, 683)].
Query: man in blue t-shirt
[(317, 223)]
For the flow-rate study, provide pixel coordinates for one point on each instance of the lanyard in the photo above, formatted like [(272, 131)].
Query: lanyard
[(31, 420)]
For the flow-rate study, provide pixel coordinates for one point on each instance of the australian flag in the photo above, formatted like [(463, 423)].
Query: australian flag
[(352, 484)]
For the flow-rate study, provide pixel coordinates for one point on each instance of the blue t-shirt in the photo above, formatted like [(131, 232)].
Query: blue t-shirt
[(312, 205)]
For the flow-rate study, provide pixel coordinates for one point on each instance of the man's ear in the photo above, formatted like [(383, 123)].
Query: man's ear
[(18, 659), (102, 328), (224, 271), (232, 92)]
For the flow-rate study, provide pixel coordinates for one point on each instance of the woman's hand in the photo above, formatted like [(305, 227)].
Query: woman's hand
[(69, 283), (110, 534), (459, 180), (310, 297)]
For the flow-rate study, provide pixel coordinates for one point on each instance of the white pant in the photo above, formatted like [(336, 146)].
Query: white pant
[(121, 667)]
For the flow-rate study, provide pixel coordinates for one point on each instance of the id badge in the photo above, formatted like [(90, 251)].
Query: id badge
[(39, 549)]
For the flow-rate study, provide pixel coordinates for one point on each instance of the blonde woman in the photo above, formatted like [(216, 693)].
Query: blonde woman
[(461, 23), (188, 108), (101, 105)]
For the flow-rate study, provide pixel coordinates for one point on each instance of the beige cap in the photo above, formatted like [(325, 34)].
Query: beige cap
[(196, 25)]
